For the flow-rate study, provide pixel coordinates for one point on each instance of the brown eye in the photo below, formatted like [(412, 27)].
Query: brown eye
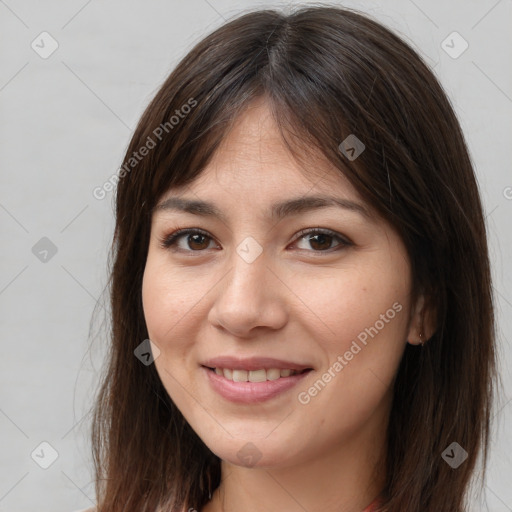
[(195, 240), (321, 240)]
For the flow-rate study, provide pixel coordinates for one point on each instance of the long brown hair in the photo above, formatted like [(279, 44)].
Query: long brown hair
[(326, 73)]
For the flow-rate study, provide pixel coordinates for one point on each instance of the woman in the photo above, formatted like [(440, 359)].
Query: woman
[(299, 233)]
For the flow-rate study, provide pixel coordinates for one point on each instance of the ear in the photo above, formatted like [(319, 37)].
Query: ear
[(422, 324)]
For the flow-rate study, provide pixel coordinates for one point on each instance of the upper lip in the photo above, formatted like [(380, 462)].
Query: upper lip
[(253, 363)]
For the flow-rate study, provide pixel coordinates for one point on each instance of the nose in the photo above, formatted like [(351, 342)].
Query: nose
[(250, 296)]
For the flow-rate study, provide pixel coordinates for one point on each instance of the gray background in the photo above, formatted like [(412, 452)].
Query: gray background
[(66, 123)]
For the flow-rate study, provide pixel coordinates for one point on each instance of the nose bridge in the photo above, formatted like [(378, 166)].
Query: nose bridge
[(246, 298), (249, 269)]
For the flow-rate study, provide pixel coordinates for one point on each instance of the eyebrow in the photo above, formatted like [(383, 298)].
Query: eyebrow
[(278, 210)]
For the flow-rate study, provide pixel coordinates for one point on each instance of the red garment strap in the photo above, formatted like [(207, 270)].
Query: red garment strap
[(372, 506)]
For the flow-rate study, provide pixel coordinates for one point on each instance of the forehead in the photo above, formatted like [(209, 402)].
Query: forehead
[(254, 159)]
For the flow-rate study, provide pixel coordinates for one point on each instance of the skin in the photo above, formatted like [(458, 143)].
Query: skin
[(297, 302)]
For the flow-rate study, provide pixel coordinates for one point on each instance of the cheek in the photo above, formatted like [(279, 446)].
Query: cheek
[(168, 312), (163, 308), (155, 302), (356, 303), (363, 314), (168, 300)]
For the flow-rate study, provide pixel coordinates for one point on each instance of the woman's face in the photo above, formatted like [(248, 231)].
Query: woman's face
[(258, 291)]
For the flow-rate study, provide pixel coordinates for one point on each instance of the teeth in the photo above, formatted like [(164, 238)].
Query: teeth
[(240, 375), (257, 376), (254, 375), (273, 374)]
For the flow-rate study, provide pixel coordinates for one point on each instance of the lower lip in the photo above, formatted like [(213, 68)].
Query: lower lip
[(251, 392)]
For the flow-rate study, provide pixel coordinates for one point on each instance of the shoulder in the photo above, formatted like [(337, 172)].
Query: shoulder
[(92, 509)]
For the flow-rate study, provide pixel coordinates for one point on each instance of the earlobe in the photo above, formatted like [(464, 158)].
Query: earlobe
[(422, 326)]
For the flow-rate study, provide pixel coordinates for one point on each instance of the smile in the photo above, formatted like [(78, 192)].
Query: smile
[(260, 375)]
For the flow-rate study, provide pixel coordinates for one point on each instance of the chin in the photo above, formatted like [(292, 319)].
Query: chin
[(253, 452)]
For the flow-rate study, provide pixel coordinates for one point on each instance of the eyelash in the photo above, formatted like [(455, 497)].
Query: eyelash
[(169, 241)]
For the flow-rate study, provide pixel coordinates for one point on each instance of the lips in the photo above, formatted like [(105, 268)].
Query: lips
[(251, 392), (252, 380)]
